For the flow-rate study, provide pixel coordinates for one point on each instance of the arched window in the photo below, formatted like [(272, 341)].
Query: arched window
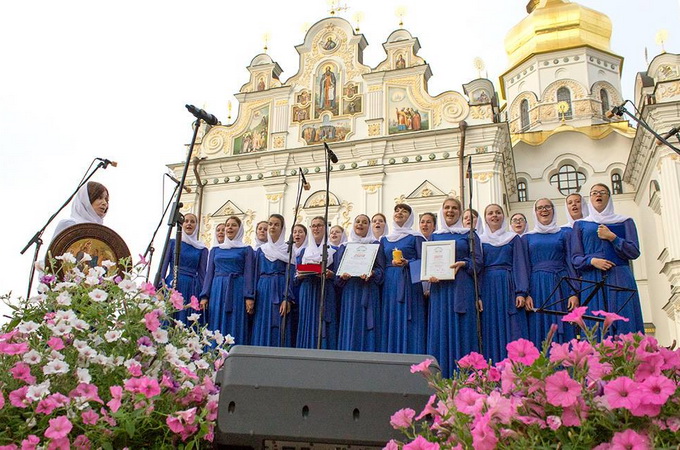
[(563, 95), (568, 180), (522, 193), (617, 184), (604, 98), (524, 114)]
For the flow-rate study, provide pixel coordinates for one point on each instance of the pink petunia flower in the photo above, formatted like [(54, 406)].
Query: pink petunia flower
[(576, 316), (13, 349), (59, 444), (657, 389), (391, 445), (56, 343), (468, 401), (522, 351), (554, 422), (609, 318), (420, 443), (90, 417), (423, 367), (630, 440), (59, 428), (9, 447), (30, 443), (176, 299), (82, 443), (18, 397), (174, 423), (151, 320), (429, 407), (147, 288), (483, 436), (575, 414), (116, 396), (22, 371), (402, 418), (561, 389), (193, 303), (46, 406), (2, 400), (473, 361), (149, 387), (622, 392)]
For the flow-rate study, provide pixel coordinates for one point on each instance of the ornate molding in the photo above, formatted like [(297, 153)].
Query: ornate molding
[(371, 188), (483, 177), (345, 208), (375, 129), (667, 90), (248, 221), (278, 142), (273, 198)]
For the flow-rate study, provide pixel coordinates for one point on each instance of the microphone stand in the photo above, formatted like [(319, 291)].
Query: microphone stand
[(621, 110), (150, 248), (177, 218), (290, 243), (324, 252), (473, 252), (37, 237)]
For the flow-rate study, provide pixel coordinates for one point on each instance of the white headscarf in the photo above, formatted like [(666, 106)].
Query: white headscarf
[(258, 243), (343, 237), (526, 224), (297, 250), (403, 231), (499, 237), (276, 250), (215, 242), (539, 228), (607, 216), (386, 228), (584, 213), (237, 242), (370, 237), (81, 211), (456, 228), (192, 239), (313, 253)]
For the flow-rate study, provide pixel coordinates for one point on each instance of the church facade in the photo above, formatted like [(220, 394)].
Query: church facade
[(546, 134)]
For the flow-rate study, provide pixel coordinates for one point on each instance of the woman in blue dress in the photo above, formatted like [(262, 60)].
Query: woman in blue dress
[(403, 325), (271, 305), (452, 329), (310, 292), (518, 224), (575, 208), (228, 287), (603, 244), (549, 258), (360, 296), (193, 260), (504, 285), (260, 234)]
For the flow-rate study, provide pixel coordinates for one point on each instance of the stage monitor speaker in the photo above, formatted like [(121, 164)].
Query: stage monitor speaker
[(288, 399)]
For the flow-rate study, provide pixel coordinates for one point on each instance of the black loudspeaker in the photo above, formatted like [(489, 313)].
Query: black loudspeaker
[(286, 398)]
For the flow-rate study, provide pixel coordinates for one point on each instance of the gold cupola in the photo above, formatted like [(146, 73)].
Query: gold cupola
[(557, 25)]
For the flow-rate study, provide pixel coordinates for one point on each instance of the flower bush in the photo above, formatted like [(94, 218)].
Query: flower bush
[(616, 392), (96, 361)]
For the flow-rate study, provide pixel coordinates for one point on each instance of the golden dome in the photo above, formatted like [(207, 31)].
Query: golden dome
[(555, 25)]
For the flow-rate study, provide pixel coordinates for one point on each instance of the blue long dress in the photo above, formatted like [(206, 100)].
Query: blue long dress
[(270, 286), (585, 246), (360, 308), (228, 282), (192, 266), (549, 258), (505, 276), (452, 327), (403, 326), (308, 306)]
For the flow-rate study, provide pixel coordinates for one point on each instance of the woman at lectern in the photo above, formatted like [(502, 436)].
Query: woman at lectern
[(603, 244), (452, 328), (193, 260), (403, 308), (360, 296), (310, 290), (89, 206), (228, 288), (270, 284)]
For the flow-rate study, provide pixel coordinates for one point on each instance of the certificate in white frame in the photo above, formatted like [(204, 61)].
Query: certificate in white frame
[(358, 259), (436, 260)]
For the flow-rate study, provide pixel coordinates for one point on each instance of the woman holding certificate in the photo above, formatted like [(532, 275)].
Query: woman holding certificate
[(549, 261), (403, 309), (310, 291), (360, 295), (452, 329), (504, 285)]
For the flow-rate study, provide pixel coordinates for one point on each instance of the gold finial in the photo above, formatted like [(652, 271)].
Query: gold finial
[(229, 109), (336, 7), (358, 17), (661, 37), (563, 107), (401, 12), (478, 64), (265, 38)]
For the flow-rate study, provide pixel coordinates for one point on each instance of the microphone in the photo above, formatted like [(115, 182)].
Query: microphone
[(672, 132), (106, 162), (331, 155), (616, 111), (186, 188), (468, 173), (202, 115), (305, 184)]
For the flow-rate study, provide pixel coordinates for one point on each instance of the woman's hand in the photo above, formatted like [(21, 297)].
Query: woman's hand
[(203, 305), (480, 305), (457, 266), (602, 264), (520, 301), (284, 308), (603, 232), (345, 276), (366, 277), (529, 303), (572, 302), (250, 306), (400, 263), (433, 280), (329, 273)]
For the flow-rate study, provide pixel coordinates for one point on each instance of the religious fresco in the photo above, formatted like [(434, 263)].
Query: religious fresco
[(330, 43), (255, 137), (326, 131), (480, 97), (404, 116), (400, 62), (301, 113), (303, 97), (327, 98), (352, 106)]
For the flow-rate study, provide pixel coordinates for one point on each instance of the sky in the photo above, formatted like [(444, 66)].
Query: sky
[(81, 79)]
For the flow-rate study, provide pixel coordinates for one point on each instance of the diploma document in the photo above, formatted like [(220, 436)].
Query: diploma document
[(358, 259), (437, 257)]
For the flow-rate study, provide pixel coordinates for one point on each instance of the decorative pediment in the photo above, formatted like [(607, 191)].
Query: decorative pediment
[(228, 209), (426, 190), (264, 74), (318, 200), (402, 52)]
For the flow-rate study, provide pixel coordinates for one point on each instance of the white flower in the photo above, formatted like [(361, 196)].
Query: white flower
[(32, 357), (30, 423), (60, 328), (56, 366), (39, 266), (89, 353), (193, 345), (219, 339), (79, 345), (98, 271), (229, 339), (64, 285), (112, 335), (128, 286), (42, 288), (97, 295), (64, 299), (28, 327), (38, 391), (144, 306), (78, 273), (37, 299), (83, 375), (65, 315), (194, 317), (92, 281), (67, 257), (118, 360), (170, 350), (86, 257), (81, 325), (55, 355), (201, 364), (108, 264), (96, 340), (147, 350), (160, 335), (105, 361)]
